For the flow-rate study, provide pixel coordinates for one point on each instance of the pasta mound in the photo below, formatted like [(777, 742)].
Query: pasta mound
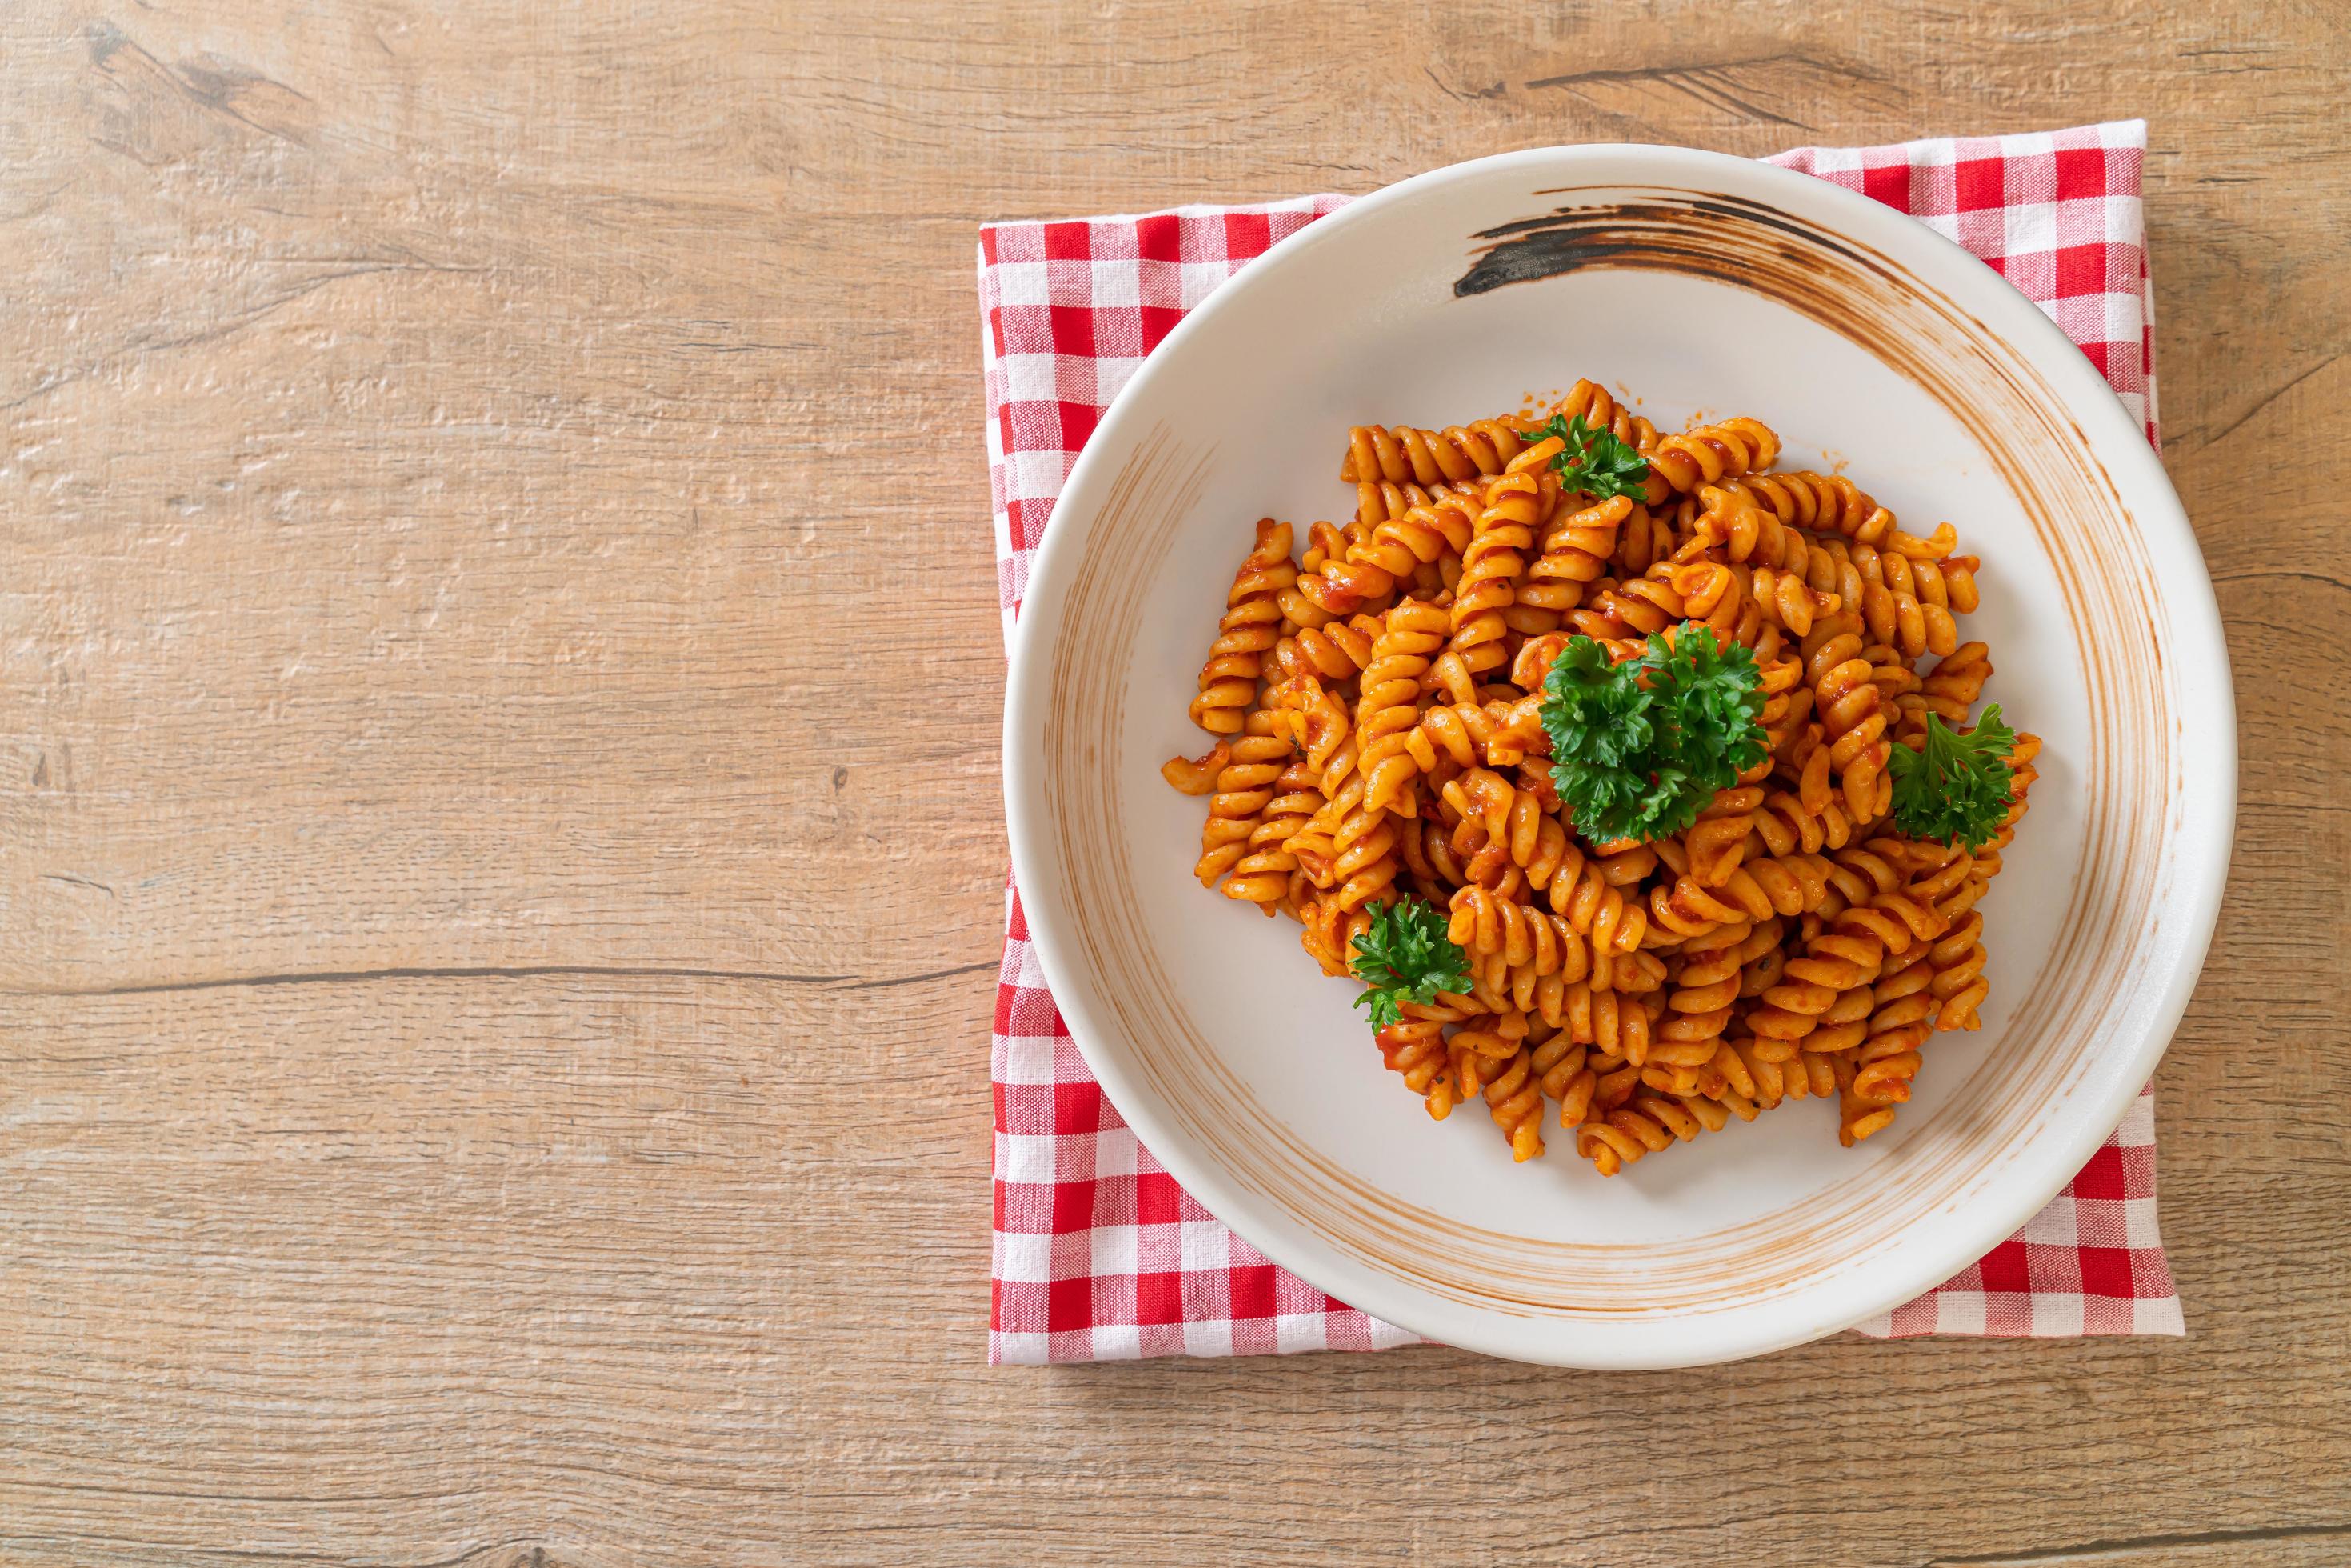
[(1377, 700)]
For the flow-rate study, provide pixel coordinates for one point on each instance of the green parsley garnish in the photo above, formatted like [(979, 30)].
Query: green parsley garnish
[(1406, 957), (1594, 462), (1639, 749), (1956, 788)]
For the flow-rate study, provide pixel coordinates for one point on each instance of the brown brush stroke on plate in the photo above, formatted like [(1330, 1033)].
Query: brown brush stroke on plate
[(1666, 237), (2126, 761)]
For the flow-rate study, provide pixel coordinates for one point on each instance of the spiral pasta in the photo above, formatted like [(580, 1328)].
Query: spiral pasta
[(1388, 712), (1590, 402), (1375, 691), (1382, 500), (1252, 615), (1853, 716), (1516, 505), (1416, 1047), (1708, 454), (1263, 872), (1403, 456), (1244, 788)]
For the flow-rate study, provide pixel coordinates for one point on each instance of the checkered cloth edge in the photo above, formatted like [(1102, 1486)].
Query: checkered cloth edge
[(1098, 1254)]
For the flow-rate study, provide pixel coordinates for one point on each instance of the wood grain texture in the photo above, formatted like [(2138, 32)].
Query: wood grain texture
[(500, 858)]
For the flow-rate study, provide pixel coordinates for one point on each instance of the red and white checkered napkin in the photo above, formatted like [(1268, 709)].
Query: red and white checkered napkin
[(1099, 1255)]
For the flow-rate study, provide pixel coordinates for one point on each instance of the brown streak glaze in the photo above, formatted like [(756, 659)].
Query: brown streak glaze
[(1657, 235)]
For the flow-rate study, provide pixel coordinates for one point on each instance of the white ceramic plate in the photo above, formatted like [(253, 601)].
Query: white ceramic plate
[(1702, 284)]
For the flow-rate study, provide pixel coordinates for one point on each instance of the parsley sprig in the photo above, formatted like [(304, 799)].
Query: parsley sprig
[(1956, 788), (1639, 749), (1406, 957), (1595, 461)]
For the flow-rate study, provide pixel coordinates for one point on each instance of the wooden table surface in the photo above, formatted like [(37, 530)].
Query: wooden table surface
[(500, 850)]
